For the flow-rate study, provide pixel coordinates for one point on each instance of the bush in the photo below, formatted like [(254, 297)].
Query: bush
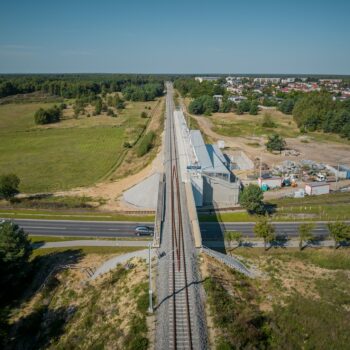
[(111, 113), (146, 144), (243, 106), (268, 122), (144, 115), (254, 109), (276, 143), (47, 116), (287, 106), (9, 186)]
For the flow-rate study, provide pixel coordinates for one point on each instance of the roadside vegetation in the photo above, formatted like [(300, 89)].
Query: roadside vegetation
[(50, 302), (329, 207), (73, 215), (302, 301)]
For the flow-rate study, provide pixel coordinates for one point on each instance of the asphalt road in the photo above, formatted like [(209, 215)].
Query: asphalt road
[(210, 231)]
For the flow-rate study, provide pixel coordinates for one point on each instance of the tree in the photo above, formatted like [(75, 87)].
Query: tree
[(275, 142), (263, 229), (305, 233), (9, 186), (339, 231), (253, 108), (243, 106), (203, 105), (251, 199), (226, 106), (144, 114), (231, 236), (98, 106), (287, 106), (310, 110), (15, 250)]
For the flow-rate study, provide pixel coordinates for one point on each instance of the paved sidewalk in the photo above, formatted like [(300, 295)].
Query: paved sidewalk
[(277, 244), (210, 244), (121, 259)]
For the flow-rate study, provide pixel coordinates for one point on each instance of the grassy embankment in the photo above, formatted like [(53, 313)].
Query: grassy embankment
[(45, 239), (302, 302), (83, 216), (71, 153), (71, 312), (335, 206)]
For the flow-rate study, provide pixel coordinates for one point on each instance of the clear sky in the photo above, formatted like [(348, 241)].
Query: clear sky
[(177, 36)]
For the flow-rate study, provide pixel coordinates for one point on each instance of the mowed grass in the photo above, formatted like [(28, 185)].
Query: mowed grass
[(67, 154)]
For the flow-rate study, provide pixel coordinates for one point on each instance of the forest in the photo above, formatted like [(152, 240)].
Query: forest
[(78, 85)]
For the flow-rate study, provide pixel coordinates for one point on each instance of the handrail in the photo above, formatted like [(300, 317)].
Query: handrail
[(229, 261)]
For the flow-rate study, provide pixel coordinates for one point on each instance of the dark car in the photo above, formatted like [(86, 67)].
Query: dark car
[(144, 231)]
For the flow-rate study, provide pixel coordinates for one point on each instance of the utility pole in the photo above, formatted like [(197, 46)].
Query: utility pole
[(336, 179), (150, 308), (260, 165)]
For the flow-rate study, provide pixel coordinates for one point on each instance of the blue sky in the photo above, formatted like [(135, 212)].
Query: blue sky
[(177, 36)]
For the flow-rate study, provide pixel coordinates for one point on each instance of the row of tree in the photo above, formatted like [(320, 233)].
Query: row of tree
[(338, 231), (73, 85), (318, 111), (145, 92), (193, 88)]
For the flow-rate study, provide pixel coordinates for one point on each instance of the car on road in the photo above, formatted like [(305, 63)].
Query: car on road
[(144, 231)]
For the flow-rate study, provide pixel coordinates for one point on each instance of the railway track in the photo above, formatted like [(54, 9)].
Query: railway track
[(180, 324), (180, 320)]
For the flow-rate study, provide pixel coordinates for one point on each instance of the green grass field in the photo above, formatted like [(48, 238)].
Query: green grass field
[(248, 125), (69, 154)]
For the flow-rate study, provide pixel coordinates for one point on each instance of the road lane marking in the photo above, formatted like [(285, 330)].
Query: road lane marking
[(45, 228)]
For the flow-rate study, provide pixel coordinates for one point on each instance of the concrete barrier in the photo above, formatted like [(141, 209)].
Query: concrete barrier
[(159, 218), (192, 212)]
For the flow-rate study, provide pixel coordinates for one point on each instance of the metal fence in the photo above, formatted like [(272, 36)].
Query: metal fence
[(229, 261)]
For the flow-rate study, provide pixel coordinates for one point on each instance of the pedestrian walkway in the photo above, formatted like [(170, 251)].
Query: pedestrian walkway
[(121, 259)]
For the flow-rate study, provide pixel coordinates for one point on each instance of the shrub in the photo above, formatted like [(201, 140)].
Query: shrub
[(146, 144), (9, 186), (47, 116), (276, 143), (268, 122)]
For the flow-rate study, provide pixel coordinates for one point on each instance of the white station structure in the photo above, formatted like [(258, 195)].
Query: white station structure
[(205, 167)]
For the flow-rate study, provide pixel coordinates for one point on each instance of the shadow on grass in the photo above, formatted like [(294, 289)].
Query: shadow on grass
[(42, 325), (213, 231), (38, 329)]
